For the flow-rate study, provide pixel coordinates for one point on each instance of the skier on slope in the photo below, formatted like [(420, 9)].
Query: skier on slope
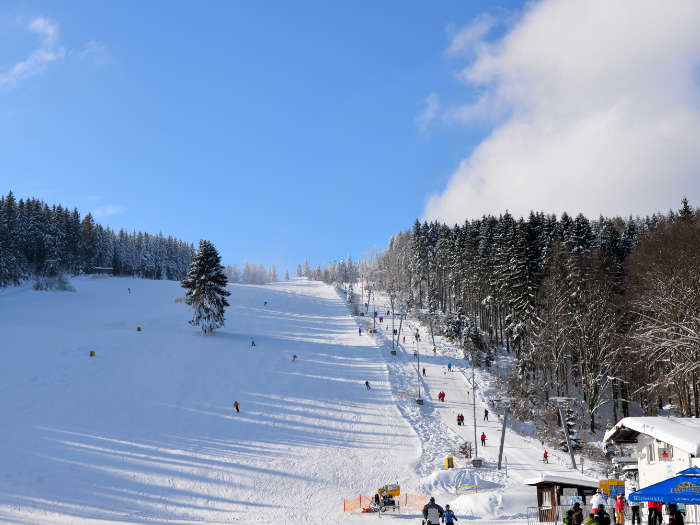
[(545, 457), (235, 405), (359, 331), (367, 385), (486, 415), (483, 439), (449, 516), (432, 512)]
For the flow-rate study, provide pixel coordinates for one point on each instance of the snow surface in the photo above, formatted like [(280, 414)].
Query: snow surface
[(145, 431)]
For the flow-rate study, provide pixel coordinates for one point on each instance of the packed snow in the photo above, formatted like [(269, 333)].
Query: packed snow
[(146, 432)]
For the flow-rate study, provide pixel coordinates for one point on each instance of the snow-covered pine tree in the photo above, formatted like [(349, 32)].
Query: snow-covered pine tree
[(298, 270), (570, 421), (686, 213), (272, 275), (286, 275), (307, 269), (205, 286)]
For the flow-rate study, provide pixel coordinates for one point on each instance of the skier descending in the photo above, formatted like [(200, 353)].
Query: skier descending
[(252, 342), (235, 405), (367, 385)]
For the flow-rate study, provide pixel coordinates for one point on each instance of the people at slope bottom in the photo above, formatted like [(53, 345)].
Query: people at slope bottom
[(432, 512), (449, 516)]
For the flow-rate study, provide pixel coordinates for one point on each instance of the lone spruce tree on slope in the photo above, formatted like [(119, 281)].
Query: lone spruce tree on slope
[(206, 288)]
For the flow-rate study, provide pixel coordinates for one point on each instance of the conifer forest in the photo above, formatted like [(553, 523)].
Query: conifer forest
[(36, 240), (604, 310)]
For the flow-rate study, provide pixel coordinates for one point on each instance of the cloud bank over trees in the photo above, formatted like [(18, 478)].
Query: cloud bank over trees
[(594, 108)]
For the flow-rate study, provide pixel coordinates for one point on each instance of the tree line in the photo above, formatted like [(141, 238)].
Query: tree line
[(251, 273), (36, 240), (606, 311)]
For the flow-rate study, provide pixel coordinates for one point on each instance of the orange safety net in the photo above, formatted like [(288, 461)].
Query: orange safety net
[(414, 501), (356, 504)]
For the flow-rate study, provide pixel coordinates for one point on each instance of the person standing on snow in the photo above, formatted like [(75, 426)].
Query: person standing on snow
[(597, 499), (483, 439), (449, 367), (235, 405), (486, 415), (620, 510), (367, 385), (432, 512), (636, 519), (601, 516), (449, 516), (252, 342), (545, 457), (424, 372), (359, 331), (675, 517), (577, 513)]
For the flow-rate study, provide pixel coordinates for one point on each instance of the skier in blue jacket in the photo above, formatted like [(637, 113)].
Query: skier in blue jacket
[(449, 516)]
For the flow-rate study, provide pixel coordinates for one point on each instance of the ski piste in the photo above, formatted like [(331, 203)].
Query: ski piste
[(145, 429)]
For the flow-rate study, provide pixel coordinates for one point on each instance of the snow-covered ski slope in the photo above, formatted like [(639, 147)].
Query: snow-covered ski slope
[(502, 494), (146, 432)]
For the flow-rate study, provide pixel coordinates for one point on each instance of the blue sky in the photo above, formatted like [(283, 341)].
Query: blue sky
[(279, 130), (285, 130)]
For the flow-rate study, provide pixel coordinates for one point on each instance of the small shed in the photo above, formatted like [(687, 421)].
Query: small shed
[(554, 490)]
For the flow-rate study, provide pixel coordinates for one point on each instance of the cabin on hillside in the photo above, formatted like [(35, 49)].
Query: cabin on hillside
[(556, 490)]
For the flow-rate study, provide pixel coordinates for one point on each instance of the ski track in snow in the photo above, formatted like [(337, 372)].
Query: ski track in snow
[(145, 431)]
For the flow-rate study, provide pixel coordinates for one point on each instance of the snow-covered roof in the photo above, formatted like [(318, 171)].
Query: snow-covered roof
[(681, 432), (548, 477)]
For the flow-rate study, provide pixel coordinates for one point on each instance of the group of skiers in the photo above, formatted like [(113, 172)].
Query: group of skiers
[(460, 420), (441, 395), (432, 513)]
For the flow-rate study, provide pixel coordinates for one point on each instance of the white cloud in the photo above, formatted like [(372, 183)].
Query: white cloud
[(94, 51), (425, 117), (109, 209), (47, 52), (598, 108), (471, 36)]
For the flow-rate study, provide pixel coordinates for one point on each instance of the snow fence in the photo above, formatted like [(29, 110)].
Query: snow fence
[(408, 501)]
